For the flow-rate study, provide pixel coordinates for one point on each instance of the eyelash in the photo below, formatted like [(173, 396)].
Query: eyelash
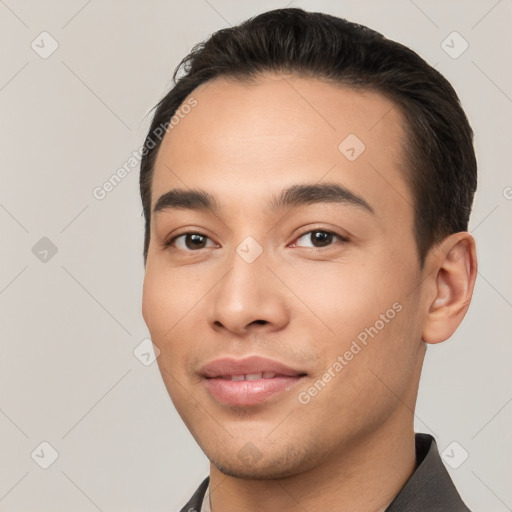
[(342, 238)]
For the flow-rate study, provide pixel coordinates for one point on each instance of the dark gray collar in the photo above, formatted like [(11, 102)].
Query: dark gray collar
[(429, 489)]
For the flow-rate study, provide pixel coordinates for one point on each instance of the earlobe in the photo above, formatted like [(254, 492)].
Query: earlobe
[(453, 270)]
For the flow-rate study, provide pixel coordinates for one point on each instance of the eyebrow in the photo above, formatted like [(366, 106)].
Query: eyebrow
[(291, 197)]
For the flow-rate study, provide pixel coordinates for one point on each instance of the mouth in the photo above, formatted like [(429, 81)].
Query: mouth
[(251, 376), (248, 381)]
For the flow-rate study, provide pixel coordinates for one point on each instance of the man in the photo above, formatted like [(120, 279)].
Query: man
[(306, 186)]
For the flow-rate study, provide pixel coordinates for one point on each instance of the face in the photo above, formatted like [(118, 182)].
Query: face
[(300, 250)]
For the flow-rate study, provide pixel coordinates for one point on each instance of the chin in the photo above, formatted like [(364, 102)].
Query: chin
[(250, 464), (263, 472)]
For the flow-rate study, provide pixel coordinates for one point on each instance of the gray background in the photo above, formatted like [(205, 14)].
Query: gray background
[(70, 321)]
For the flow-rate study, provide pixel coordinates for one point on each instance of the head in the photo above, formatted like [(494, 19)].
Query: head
[(307, 200)]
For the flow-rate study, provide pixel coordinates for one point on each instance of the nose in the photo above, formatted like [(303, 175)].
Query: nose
[(248, 298)]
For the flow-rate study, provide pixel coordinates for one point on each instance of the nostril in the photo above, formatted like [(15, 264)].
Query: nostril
[(261, 322)]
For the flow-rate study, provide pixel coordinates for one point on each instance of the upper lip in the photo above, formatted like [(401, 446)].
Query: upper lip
[(228, 366)]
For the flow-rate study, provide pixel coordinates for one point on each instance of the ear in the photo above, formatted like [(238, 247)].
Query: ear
[(452, 269)]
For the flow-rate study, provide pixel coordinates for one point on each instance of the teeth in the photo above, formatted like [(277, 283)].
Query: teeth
[(251, 376)]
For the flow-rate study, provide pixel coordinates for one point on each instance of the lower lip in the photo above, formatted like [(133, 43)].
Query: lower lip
[(248, 392)]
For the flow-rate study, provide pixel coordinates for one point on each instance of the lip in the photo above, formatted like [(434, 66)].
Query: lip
[(216, 376), (228, 366)]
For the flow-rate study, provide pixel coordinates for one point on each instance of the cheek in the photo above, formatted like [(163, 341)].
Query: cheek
[(168, 296), (170, 301), (343, 297), (358, 303), (165, 308), (378, 336), (169, 305)]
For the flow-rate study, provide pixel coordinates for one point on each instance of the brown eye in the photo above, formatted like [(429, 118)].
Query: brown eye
[(318, 238), (321, 238), (195, 241), (191, 242)]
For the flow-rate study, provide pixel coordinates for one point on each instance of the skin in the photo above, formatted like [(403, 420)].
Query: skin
[(352, 446)]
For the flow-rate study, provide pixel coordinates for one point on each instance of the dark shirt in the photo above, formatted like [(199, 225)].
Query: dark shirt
[(429, 489)]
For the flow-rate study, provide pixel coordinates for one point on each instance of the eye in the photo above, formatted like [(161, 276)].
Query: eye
[(191, 242), (318, 238)]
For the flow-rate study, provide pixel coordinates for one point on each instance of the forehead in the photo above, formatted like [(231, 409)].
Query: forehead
[(280, 130)]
